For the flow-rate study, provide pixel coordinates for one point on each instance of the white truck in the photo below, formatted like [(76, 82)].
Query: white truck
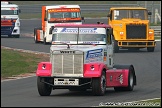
[(81, 58), (10, 21), (55, 14)]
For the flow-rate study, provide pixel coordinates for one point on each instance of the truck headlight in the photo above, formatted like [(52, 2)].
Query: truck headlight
[(92, 67), (121, 33), (44, 66)]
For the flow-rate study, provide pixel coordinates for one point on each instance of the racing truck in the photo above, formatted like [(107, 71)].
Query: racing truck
[(55, 14), (10, 21), (81, 58), (131, 28)]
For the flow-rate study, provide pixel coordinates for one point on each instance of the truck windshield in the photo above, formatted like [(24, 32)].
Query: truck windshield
[(9, 12), (64, 15), (82, 38), (120, 14)]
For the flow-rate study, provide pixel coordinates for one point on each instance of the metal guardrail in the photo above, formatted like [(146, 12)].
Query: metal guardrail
[(157, 32), (91, 8)]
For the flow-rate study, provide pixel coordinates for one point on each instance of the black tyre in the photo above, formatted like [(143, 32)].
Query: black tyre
[(130, 82), (99, 85), (150, 49), (43, 89), (35, 35), (115, 45), (45, 43), (17, 36)]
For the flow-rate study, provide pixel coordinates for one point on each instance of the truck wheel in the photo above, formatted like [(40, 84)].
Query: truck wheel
[(99, 85), (17, 36), (35, 35), (35, 38), (43, 89), (130, 83), (150, 49), (115, 45), (45, 43)]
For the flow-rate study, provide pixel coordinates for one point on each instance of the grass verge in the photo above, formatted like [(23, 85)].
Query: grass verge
[(17, 62)]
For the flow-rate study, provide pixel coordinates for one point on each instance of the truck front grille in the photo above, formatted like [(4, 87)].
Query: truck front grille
[(136, 31), (6, 30), (67, 64)]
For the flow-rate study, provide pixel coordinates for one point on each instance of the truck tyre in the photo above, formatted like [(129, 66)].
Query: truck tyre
[(43, 89), (35, 34), (17, 36), (99, 85), (131, 82), (150, 49), (45, 43), (115, 45)]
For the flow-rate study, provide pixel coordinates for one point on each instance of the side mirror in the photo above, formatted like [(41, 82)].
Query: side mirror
[(45, 19), (82, 18), (50, 31), (19, 11), (149, 13), (110, 31), (109, 15)]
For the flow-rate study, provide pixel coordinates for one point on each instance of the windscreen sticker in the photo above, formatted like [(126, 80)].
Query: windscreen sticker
[(81, 30)]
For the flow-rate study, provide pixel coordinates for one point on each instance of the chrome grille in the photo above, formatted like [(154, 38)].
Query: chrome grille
[(67, 64)]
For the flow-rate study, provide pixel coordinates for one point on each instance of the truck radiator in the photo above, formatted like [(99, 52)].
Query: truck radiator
[(136, 31), (64, 64), (6, 30), (7, 27)]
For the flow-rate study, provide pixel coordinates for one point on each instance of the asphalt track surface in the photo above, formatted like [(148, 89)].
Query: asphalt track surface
[(23, 92)]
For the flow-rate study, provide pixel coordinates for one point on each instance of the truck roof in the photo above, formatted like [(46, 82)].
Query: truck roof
[(83, 25), (62, 6), (8, 5), (113, 8)]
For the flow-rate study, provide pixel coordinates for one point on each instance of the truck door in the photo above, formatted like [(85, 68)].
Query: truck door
[(110, 52)]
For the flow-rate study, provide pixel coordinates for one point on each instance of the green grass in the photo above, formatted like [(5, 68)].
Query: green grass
[(16, 62)]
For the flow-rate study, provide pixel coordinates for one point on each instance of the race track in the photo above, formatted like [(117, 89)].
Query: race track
[(23, 92)]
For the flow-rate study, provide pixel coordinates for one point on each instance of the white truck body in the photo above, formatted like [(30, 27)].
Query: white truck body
[(56, 14), (10, 21), (81, 58)]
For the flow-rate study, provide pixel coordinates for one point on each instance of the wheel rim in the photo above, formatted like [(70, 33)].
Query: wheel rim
[(103, 83), (131, 80), (35, 37)]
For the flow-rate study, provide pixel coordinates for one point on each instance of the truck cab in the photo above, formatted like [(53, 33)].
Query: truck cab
[(10, 21), (81, 58), (131, 28), (55, 14)]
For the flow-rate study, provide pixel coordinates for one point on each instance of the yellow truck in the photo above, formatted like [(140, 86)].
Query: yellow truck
[(131, 28)]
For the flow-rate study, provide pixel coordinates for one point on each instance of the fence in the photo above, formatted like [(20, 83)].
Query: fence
[(100, 8)]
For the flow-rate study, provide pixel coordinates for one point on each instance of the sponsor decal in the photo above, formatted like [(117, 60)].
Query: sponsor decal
[(67, 52), (88, 42), (81, 30), (120, 78), (94, 55)]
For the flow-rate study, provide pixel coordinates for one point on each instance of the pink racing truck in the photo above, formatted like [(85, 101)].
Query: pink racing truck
[(81, 58)]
